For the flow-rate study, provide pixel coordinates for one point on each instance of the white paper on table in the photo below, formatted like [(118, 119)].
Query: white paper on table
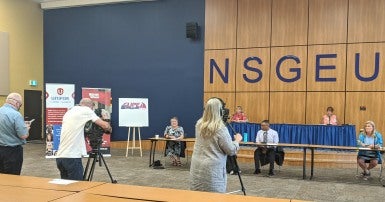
[(62, 181)]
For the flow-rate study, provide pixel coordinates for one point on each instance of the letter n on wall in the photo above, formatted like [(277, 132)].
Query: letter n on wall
[(219, 71)]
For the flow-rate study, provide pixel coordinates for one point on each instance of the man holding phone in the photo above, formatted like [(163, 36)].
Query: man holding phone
[(13, 132)]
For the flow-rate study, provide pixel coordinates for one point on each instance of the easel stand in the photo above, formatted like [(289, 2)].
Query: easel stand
[(133, 146)]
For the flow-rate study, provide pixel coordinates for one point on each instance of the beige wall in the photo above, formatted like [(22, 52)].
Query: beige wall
[(23, 21), (236, 30)]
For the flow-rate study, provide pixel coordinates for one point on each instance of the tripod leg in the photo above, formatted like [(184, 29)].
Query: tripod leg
[(236, 163), (239, 175), (108, 170), (86, 170), (92, 169)]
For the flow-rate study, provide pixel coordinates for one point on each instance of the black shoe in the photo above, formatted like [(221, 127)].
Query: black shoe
[(271, 173), (257, 171)]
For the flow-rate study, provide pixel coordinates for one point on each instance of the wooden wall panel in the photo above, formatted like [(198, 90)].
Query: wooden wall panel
[(220, 24), (367, 53), (286, 68), (220, 57), (254, 23), (302, 29), (289, 22), (366, 21), (287, 107), (228, 98), (373, 101), (327, 21), (317, 102), (254, 104), (256, 79), (339, 61)]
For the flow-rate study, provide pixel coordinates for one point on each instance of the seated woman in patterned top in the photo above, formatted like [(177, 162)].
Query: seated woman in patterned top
[(173, 148)]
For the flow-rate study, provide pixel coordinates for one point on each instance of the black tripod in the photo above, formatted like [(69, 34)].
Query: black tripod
[(233, 160), (97, 156)]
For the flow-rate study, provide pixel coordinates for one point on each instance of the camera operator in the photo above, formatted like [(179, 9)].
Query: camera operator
[(213, 144), (72, 143)]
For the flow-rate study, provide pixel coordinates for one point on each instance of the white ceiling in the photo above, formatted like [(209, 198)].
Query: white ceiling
[(52, 4)]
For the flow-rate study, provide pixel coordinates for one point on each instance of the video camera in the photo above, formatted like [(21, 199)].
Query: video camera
[(94, 132), (225, 112)]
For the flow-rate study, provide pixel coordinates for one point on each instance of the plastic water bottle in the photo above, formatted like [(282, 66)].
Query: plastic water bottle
[(245, 137)]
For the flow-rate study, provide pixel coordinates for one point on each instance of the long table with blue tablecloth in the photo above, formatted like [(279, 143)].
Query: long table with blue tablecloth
[(344, 135)]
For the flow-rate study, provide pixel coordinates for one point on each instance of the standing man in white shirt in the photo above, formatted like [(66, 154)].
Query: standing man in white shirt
[(72, 141), (268, 136)]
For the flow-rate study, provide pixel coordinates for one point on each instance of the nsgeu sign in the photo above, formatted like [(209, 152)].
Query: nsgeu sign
[(256, 74)]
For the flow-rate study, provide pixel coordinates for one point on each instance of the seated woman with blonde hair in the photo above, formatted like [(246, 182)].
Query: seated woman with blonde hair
[(369, 138)]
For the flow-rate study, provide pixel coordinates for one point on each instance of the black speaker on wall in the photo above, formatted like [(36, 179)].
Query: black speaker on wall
[(192, 30)]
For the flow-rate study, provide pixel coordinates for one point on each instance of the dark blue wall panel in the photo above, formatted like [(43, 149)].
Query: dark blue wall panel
[(139, 50)]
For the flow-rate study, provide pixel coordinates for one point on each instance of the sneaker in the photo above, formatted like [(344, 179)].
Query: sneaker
[(232, 172), (257, 171), (367, 173), (271, 173)]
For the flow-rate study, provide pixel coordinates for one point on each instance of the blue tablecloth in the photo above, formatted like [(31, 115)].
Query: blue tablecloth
[(303, 134)]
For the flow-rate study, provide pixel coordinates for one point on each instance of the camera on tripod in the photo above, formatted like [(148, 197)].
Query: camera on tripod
[(225, 112), (231, 163), (95, 132)]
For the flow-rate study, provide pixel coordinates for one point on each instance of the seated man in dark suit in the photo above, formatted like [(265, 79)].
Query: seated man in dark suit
[(265, 153)]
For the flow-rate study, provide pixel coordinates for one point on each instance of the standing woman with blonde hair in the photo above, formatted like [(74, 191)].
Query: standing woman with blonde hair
[(213, 144), (372, 139)]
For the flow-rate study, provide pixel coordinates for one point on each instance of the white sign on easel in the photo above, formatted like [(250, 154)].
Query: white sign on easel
[(133, 113)]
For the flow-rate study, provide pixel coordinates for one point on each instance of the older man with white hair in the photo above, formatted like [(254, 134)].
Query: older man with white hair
[(13, 132), (72, 144)]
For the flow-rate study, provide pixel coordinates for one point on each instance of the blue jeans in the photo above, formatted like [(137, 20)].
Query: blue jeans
[(70, 168)]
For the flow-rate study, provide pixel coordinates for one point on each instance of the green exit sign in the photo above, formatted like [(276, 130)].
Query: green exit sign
[(32, 82)]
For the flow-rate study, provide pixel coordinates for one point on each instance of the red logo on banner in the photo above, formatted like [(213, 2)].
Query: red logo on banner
[(60, 91), (133, 105)]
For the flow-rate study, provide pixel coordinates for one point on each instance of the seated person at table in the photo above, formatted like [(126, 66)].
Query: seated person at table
[(329, 118), (372, 139), (239, 116), (173, 148), (265, 154)]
